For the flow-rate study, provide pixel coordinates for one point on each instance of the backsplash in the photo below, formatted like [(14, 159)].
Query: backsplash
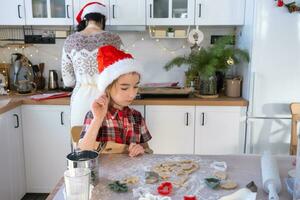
[(151, 53)]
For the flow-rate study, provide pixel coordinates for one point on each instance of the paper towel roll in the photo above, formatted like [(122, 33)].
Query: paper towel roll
[(270, 176)]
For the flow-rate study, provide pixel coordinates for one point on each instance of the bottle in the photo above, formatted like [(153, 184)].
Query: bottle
[(296, 191)]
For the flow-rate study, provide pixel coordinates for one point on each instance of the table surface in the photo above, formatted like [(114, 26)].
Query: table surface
[(241, 168)]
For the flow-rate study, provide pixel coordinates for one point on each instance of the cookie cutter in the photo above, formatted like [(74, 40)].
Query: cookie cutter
[(221, 166)]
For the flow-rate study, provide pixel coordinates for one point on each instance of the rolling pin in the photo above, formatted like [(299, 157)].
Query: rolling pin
[(270, 176)]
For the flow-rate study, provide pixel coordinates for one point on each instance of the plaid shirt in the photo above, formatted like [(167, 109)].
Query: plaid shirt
[(121, 126)]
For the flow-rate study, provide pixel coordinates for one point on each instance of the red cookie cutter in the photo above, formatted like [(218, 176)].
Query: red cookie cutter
[(165, 188), (189, 198)]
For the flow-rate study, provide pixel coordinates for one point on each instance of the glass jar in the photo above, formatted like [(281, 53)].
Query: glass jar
[(208, 85)]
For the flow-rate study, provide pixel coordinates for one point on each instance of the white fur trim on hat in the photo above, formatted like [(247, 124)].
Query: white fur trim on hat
[(94, 8), (114, 71)]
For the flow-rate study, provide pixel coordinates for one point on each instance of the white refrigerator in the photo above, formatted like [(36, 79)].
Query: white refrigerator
[(272, 78)]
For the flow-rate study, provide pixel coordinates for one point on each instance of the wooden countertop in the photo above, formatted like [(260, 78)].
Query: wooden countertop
[(16, 100)]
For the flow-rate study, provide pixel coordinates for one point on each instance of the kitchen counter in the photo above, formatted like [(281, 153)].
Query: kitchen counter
[(241, 168), (12, 101)]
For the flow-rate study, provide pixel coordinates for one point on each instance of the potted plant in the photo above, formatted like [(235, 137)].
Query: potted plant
[(170, 32), (204, 63)]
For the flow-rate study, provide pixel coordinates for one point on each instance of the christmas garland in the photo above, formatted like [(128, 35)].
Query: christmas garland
[(292, 7)]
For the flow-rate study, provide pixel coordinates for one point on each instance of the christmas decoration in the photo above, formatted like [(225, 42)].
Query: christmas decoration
[(291, 6)]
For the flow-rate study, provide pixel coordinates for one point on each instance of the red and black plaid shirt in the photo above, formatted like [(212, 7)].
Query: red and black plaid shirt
[(121, 126)]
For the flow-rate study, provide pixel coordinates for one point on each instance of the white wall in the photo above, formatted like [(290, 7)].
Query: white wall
[(148, 51)]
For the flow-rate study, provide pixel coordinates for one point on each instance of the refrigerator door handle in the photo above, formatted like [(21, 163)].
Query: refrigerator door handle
[(250, 110)]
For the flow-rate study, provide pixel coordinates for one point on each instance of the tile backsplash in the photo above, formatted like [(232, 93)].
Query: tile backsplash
[(151, 53)]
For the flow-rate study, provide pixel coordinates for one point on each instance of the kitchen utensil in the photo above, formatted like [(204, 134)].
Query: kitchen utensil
[(270, 176), (85, 159), (77, 183), (53, 80)]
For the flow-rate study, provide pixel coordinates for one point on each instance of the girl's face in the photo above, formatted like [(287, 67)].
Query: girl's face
[(123, 92)]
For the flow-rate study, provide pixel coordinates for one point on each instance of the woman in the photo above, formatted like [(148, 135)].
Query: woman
[(79, 58)]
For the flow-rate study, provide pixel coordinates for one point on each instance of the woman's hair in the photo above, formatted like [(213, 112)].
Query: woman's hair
[(97, 17)]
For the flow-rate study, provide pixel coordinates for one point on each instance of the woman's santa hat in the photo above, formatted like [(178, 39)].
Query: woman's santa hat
[(112, 63), (92, 7)]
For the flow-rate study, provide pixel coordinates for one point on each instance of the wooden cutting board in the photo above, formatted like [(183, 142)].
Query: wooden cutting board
[(165, 90)]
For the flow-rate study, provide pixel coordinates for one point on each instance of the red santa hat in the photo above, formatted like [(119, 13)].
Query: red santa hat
[(112, 63), (92, 7)]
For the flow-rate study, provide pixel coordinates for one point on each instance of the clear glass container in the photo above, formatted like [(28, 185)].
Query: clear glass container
[(39, 8), (208, 85), (180, 9), (160, 8), (58, 8), (296, 191)]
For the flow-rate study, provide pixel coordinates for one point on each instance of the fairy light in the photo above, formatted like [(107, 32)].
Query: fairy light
[(142, 39)]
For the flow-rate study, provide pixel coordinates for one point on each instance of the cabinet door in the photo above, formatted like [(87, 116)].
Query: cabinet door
[(16, 153), (170, 12), (219, 130), (5, 180), (121, 12), (12, 12), (78, 4), (46, 131), (49, 12), (172, 129), (216, 12)]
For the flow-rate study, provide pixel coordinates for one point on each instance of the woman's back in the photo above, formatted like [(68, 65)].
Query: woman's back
[(79, 67)]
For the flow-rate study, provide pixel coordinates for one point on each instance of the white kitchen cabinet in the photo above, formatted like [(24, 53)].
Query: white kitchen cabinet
[(12, 173), (46, 131), (170, 12), (49, 12), (172, 129), (12, 12), (220, 129), (127, 12), (4, 156), (216, 12), (78, 5)]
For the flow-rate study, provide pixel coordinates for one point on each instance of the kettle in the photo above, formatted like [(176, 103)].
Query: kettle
[(53, 80)]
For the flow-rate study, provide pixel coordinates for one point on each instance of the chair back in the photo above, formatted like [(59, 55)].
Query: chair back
[(295, 111)]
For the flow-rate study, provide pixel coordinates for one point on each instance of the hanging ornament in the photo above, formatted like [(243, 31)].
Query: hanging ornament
[(230, 61), (290, 4), (280, 3)]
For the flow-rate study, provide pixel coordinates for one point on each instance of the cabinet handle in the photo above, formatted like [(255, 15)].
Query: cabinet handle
[(200, 9), (61, 118), (203, 119), (113, 11), (68, 16), (150, 10), (17, 117), (19, 14), (187, 119)]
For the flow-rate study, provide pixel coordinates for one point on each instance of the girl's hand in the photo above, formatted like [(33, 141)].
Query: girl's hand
[(135, 150), (100, 106)]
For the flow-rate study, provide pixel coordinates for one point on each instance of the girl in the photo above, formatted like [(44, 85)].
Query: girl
[(110, 118), (79, 58)]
